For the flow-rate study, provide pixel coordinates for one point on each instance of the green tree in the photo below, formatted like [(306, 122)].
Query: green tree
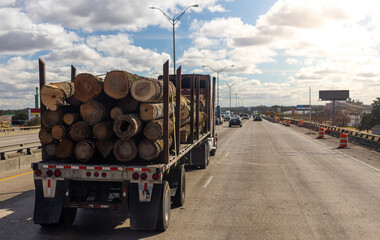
[(367, 122), (376, 111)]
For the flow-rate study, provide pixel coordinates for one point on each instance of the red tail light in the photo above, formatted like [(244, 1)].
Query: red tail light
[(104, 174), (96, 174), (135, 176), (143, 176), (88, 174), (155, 176), (49, 173), (38, 172), (57, 173)]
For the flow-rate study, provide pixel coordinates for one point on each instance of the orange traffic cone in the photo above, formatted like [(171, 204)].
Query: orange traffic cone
[(300, 123), (343, 140), (321, 133)]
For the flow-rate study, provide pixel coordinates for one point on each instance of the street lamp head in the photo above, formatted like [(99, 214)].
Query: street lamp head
[(196, 5), (152, 8), (232, 65)]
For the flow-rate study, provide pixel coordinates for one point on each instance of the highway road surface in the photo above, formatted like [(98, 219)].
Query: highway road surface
[(267, 181), (18, 139)]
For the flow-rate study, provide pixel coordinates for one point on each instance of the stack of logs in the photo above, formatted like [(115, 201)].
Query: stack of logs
[(120, 118)]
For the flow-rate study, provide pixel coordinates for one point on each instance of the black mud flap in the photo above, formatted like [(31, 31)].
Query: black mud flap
[(144, 215), (48, 210)]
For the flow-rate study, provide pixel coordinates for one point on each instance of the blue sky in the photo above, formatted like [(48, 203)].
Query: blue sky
[(278, 48)]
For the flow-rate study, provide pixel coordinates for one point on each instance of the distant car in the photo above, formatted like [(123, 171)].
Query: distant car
[(245, 116), (235, 121), (257, 118), (227, 117)]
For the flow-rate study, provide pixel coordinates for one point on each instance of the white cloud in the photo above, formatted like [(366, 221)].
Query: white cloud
[(292, 61), (216, 8)]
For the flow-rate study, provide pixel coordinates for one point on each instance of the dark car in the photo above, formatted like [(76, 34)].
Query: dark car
[(235, 121), (257, 118)]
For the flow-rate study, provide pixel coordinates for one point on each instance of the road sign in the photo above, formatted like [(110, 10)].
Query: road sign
[(326, 95), (303, 107)]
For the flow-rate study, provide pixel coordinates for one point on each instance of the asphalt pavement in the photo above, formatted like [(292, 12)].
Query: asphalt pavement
[(18, 139), (267, 181)]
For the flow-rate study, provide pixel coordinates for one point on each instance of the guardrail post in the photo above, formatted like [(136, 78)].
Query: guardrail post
[(28, 151), (2, 156)]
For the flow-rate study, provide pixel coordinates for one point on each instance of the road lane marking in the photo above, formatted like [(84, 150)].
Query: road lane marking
[(2, 179), (227, 154), (208, 181)]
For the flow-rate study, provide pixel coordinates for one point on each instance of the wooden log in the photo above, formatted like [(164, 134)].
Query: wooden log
[(51, 118), (59, 131), (125, 149), (87, 87), (105, 146), (127, 125), (149, 150), (54, 95), (84, 150), (155, 129), (152, 111), (117, 83), (184, 133), (45, 136), (51, 149), (93, 112), (65, 148), (150, 90), (116, 112), (80, 131), (129, 104), (103, 130), (71, 118)]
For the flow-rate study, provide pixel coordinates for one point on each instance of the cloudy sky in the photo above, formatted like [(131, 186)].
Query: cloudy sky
[(278, 48)]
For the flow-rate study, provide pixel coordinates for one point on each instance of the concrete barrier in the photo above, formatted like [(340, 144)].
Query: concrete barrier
[(19, 162)]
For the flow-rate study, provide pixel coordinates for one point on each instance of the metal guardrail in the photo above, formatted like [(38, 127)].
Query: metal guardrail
[(19, 148), (19, 129)]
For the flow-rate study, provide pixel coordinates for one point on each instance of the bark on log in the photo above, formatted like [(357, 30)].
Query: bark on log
[(116, 112), (93, 112), (51, 118), (125, 149), (155, 129), (45, 136), (65, 148), (117, 83), (51, 149), (59, 131), (152, 111), (87, 87), (105, 146), (149, 150), (84, 150), (54, 95), (184, 133), (71, 118), (127, 125), (129, 104), (80, 131), (150, 90), (103, 130)]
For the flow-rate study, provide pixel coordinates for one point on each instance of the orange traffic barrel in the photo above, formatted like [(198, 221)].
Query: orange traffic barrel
[(277, 120), (343, 140), (300, 123), (321, 132)]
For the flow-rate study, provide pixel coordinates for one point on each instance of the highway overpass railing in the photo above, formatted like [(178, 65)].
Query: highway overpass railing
[(19, 148)]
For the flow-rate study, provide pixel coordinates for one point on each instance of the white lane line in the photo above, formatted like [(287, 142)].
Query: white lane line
[(208, 181), (227, 154)]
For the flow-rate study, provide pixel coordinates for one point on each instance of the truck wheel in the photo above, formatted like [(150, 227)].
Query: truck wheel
[(164, 211), (230, 125), (207, 157), (179, 198)]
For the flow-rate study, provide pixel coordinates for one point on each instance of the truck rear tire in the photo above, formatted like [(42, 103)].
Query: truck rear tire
[(164, 211), (207, 157), (179, 197)]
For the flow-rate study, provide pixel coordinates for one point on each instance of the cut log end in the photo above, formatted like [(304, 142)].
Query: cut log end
[(125, 150), (116, 112), (144, 90), (116, 84), (84, 150), (87, 87), (65, 149)]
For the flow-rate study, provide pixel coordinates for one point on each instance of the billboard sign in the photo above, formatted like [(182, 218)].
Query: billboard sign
[(303, 107), (326, 95)]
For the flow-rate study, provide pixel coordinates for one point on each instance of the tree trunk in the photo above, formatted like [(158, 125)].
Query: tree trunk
[(150, 90), (105, 146), (51, 118), (127, 125), (45, 136), (59, 131), (93, 112), (117, 83), (80, 131), (51, 149), (65, 149), (129, 104), (87, 87), (84, 150), (149, 150), (125, 149), (152, 111), (71, 118), (103, 130), (54, 95), (155, 129), (116, 112)]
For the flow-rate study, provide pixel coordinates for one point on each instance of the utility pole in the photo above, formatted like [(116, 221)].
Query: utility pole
[(236, 100), (217, 79), (309, 104), (230, 86)]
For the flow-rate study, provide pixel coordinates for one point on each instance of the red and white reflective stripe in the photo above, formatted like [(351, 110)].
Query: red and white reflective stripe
[(49, 187), (97, 168)]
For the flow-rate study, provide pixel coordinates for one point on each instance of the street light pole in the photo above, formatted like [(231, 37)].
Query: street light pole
[(230, 86), (217, 79), (173, 21)]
